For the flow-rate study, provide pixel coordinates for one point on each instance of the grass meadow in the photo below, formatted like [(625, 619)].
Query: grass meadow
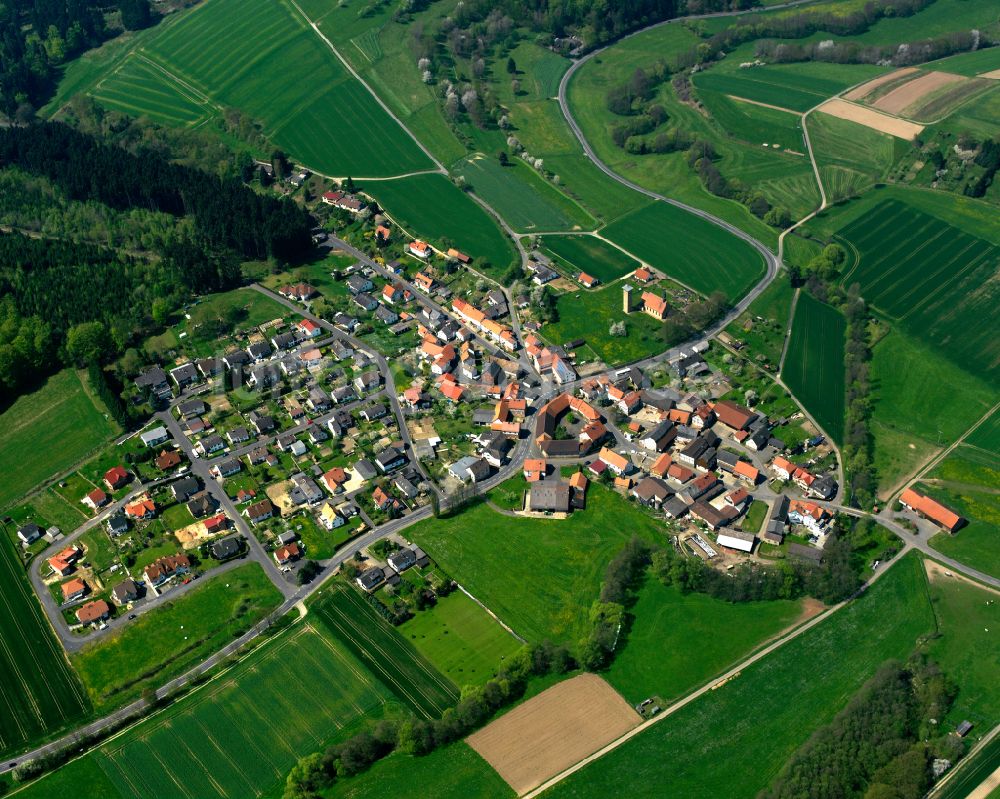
[(240, 734), (591, 255), (167, 641), (814, 364), (677, 641), (308, 103), (754, 124), (460, 638), (47, 431), (851, 157), (346, 614), (431, 207), (689, 249), (524, 199), (39, 691), (754, 722), (968, 64), (540, 576), (762, 326), (933, 282)]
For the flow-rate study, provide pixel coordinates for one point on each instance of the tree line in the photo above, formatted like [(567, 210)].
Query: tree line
[(882, 745), (37, 36)]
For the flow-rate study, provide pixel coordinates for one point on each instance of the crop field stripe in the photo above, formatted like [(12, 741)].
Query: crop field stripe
[(929, 249), (955, 277)]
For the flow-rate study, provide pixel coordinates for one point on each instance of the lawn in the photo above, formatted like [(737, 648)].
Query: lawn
[(935, 282), (762, 326), (797, 87), (754, 722), (680, 641), (754, 518), (461, 639), (431, 207), (921, 401), (591, 255), (47, 431), (237, 735), (40, 693), (167, 641), (528, 202), (689, 249), (540, 576), (814, 364), (347, 615), (261, 58)]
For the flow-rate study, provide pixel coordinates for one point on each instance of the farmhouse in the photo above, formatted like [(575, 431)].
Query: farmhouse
[(931, 509), (733, 415)]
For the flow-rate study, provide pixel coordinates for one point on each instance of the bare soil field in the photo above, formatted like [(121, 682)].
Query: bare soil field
[(554, 730), (867, 88), (937, 573), (993, 74), (871, 119), (912, 91)]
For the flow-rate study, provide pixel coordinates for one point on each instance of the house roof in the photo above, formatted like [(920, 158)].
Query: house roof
[(747, 470), (733, 415), (930, 508), (74, 586), (93, 611), (654, 302), (661, 465), (613, 459)]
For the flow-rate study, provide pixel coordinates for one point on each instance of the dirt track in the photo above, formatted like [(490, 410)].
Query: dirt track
[(871, 119), (554, 730), (936, 573), (993, 74), (904, 96), (867, 88)]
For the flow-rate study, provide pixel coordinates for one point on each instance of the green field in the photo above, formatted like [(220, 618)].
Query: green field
[(921, 401), (754, 124), (540, 576), (934, 281), (987, 435), (165, 642), (686, 247), (754, 722), (40, 693), (527, 202), (238, 735), (851, 157), (589, 314), (201, 60), (591, 255), (797, 87), (47, 431), (814, 363), (460, 639), (680, 641), (978, 543), (347, 615), (969, 64), (762, 326), (431, 207), (450, 772)]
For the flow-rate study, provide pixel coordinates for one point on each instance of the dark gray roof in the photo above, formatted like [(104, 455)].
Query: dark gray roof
[(549, 495)]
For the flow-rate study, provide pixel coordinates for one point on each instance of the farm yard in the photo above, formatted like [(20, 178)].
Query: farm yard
[(346, 614), (814, 363), (689, 249), (308, 103), (590, 254), (539, 576), (49, 430), (241, 733), (953, 282), (748, 723), (553, 730), (460, 638), (431, 207), (40, 693)]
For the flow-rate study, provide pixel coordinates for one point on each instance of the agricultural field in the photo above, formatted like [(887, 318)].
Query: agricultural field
[(761, 327), (239, 734), (814, 363), (969, 64), (920, 407), (851, 157), (431, 207), (168, 640), (460, 638), (749, 723), (975, 498), (689, 249), (591, 255), (674, 645), (197, 63), (755, 124), (540, 576), (527, 202), (972, 774), (40, 693), (954, 283), (47, 431), (797, 87), (346, 614)]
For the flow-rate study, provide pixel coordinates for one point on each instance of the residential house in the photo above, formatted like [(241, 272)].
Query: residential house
[(73, 589), (97, 610), (618, 464), (651, 491), (534, 469), (29, 533), (659, 438), (307, 328), (237, 359), (155, 436), (334, 480), (227, 468), (365, 469), (367, 382), (746, 472), (168, 459), (117, 477), (191, 407), (809, 514), (419, 249), (141, 509), (304, 490), (200, 505), (154, 381), (259, 511), (261, 422), (63, 563), (126, 591), (211, 443), (385, 315), (370, 579), (358, 284), (389, 459), (238, 435), (284, 341), (162, 569), (470, 469), (330, 518), (185, 488), (259, 351), (117, 523), (298, 291), (286, 554)]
